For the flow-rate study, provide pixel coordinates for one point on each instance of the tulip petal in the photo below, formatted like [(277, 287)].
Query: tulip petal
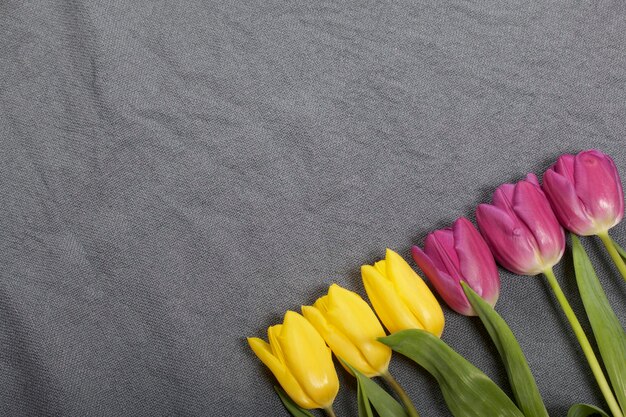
[(596, 185), (321, 304), (532, 178), (387, 303), (476, 262), (565, 166), (339, 343), (309, 359), (381, 266), (272, 335), (439, 245), (567, 206), (508, 240), (532, 207), (286, 380), (448, 288), (503, 196), (343, 302), (353, 317), (525, 244), (620, 190), (415, 293)]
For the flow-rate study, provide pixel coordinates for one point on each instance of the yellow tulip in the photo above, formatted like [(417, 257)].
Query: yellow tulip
[(350, 328), (400, 297), (300, 360)]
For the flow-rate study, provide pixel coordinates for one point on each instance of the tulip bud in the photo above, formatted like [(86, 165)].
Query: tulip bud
[(300, 360), (459, 254), (586, 192), (400, 297), (521, 229), (351, 329)]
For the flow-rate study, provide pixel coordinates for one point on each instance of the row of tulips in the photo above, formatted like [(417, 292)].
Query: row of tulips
[(298, 351), (523, 229)]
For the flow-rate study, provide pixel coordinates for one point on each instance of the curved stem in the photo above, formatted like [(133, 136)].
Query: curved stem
[(330, 412), (404, 397), (610, 247), (584, 344)]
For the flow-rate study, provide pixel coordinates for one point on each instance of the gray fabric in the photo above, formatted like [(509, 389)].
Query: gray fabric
[(176, 175)]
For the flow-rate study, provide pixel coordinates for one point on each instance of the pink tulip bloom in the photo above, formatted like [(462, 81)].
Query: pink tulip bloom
[(521, 229), (586, 192), (459, 254)]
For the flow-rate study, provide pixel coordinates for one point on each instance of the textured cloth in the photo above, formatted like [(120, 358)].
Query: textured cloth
[(174, 176)]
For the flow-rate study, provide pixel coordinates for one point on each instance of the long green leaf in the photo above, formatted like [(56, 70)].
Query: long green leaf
[(521, 379), (383, 402), (468, 392), (609, 333), (585, 410), (365, 410), (294, 409)]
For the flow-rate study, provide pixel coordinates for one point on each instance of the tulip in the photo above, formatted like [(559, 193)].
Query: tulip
[(351, 329), (587, 196), (521, 229), (301, 362), (586, 192), (459, 254), (525, 237), (400, 297)]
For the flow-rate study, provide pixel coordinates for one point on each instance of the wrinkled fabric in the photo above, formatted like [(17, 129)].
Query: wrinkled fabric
[(174, 176)]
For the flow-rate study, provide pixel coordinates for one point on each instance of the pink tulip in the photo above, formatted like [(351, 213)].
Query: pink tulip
[(459, 254), (586, 192), (521, 229)]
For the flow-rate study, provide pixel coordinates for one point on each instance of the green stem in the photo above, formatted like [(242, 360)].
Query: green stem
[(584, 344), (404, 397), (330, 412), (610, 247)]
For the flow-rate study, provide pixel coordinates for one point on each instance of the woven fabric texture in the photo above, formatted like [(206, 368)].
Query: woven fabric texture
[(174, 176)]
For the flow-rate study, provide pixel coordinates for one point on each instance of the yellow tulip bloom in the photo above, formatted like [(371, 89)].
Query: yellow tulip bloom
[(300, 360), (350, 328), (400, 297)]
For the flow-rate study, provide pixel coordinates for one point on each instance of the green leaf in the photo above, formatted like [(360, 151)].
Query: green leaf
[(383, 402), (584, 410), (609, 333), (365, 410), (294, 409), (521, 379), (468, 392)]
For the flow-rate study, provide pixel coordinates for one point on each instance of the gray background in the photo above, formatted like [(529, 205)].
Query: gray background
[(176, 175)]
